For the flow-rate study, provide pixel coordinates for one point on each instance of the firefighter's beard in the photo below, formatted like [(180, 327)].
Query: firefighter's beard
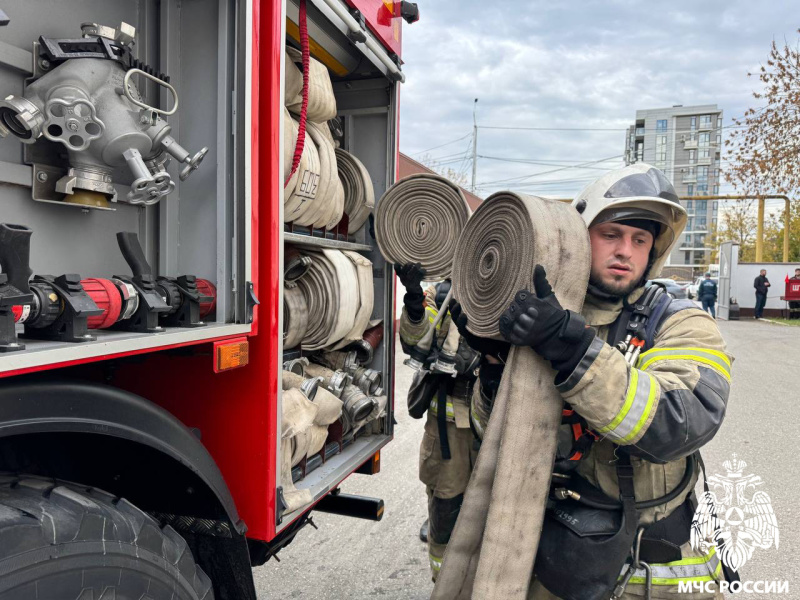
[(613, 287)]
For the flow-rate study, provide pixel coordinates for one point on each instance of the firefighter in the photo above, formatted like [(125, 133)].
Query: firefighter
[(444, 468), (653, 415), (707, 292)]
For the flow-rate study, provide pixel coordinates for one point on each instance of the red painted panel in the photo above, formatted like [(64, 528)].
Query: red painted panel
[(236, 411), (379, 18)]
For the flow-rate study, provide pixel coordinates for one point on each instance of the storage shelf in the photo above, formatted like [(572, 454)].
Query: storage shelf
[(317, 242), (39, 353), (329, 475)]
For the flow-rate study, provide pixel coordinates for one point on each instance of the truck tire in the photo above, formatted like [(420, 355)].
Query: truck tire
[(63, 541)]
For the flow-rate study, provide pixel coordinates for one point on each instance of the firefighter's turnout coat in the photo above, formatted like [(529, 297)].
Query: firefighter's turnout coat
[(662, 410)]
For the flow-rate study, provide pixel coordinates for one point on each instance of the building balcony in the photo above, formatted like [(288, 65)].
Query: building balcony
[(704, 161), (640, 132), (705, 126), (689, 179), (689, 144)]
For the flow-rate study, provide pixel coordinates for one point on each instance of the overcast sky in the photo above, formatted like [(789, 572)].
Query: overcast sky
[(578, 64)]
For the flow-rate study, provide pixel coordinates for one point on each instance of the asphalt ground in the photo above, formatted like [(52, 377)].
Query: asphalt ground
[(355, 559)]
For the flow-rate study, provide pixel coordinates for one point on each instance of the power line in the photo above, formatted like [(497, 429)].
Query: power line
[(442, 145), (617, 129), (523, 177)]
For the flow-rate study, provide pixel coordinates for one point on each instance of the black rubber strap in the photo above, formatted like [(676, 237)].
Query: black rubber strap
[(626, 492), (441, 418)]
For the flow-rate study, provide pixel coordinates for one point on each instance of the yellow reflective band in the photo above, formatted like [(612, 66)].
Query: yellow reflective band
[(651, 396), (476, 421), (713, 358), (436, 563), (633, 415), (693, 568), (432, 312), (632, 384), (449, 410)]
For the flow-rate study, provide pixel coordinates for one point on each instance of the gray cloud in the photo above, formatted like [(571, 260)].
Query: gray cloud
[(572, 64)]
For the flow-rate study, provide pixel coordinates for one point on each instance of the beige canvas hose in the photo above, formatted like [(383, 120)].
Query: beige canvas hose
[(419, 219), (359, 196), (295, 316), (493, 547)]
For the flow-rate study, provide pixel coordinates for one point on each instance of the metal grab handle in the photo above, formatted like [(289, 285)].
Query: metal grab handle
[(125, 90)]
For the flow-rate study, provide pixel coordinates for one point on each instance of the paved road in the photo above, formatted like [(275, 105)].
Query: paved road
[(353, 559)]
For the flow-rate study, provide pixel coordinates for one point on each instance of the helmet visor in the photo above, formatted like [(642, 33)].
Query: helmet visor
[(653, 183)]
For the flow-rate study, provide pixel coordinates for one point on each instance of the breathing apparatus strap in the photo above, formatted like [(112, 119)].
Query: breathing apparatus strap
[(626, 492)]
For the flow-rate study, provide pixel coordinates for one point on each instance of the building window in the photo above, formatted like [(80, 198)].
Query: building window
[(661, 125), (719, 140), (690, 192), (690, 224), (689, 203), (705, 153), (701, 223), (704, 139), (702, 189), (705, 121), (687, 258), (719, 122), (702, 205), (693, 123), (716, 193), (700, 240), (692, 157)]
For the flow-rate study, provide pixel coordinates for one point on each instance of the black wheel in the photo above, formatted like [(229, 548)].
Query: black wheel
[(62, 541)]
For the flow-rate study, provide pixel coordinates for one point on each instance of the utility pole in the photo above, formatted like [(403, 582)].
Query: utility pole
[(474, 144)]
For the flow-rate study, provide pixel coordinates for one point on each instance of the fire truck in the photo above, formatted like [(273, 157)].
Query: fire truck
[(142, 279)]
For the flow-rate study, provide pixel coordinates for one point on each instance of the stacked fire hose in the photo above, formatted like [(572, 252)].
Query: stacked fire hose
[(328, 182), (492, 550), (328, 298)]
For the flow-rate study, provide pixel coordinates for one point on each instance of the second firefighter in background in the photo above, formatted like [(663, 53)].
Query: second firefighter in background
[(444, 468)]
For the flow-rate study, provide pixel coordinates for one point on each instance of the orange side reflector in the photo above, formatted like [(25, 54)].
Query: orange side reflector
[(231, 355), (376, 463)]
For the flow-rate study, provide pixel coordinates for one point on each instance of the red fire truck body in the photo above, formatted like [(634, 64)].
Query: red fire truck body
[(158, 419)]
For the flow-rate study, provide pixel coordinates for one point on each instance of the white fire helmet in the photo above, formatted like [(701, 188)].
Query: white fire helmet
[(638, 191)]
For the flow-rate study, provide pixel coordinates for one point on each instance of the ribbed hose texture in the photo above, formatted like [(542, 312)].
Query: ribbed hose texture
[(493, 547)]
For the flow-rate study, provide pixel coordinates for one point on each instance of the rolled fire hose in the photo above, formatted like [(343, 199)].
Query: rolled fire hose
[(295, 264), (305, 190), (320, 289), (366, 298), (321, 101), (289, 142), (493, 547), (320, 208), (359, 196), (333, 208), (419, 219), (295, 316), (293, 87), (331, 292)]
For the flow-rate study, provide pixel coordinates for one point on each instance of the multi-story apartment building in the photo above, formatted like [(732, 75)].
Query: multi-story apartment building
[(685, 143)]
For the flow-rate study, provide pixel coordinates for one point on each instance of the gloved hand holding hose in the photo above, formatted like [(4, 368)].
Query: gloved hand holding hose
[(539, 321), (486, 346), (411, 276)]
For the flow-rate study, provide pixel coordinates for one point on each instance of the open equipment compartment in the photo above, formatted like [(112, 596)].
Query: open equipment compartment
[(367, 102), (199, 228)]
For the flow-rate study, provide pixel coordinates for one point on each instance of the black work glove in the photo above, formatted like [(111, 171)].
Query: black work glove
[(539, 321), (485, 346), (411, 276)]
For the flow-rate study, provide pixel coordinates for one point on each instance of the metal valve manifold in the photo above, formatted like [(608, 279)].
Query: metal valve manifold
[(89, 103)]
